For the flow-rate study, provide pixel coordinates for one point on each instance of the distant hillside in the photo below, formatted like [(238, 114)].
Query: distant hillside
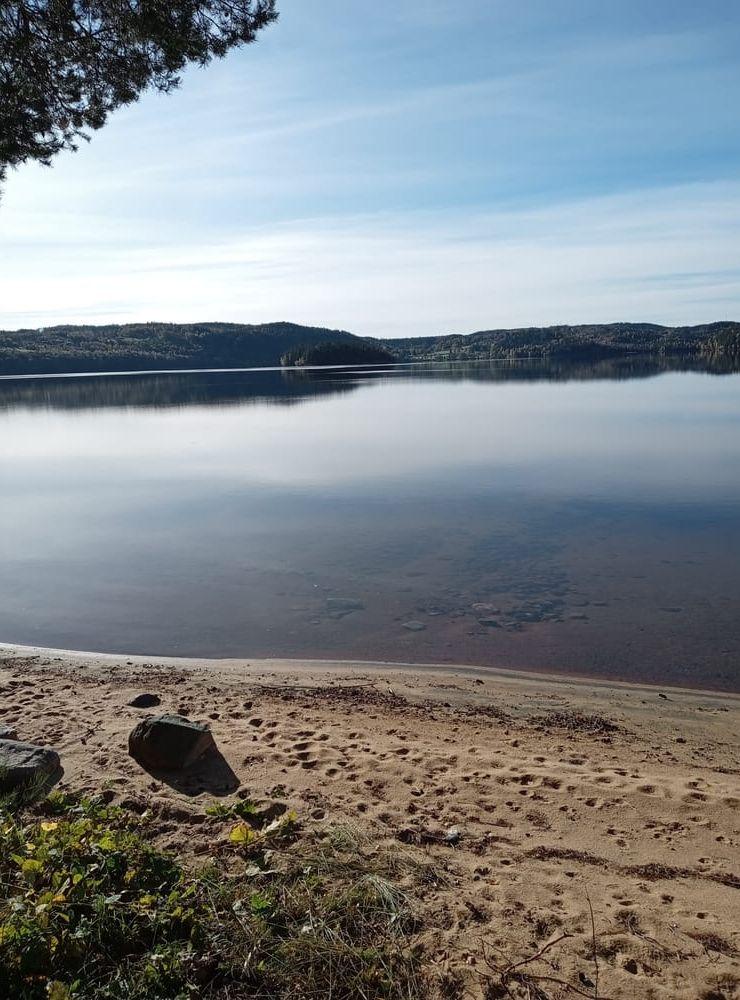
[(156, 346), (589, 342), (141, 346)]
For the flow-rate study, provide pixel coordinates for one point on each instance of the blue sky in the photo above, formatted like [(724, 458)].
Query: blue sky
[(407, 167)]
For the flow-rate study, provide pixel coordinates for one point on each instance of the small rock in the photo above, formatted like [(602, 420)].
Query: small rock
[(169, 742), (145, 700), (489, 622), (452, 836), (24, 765), (8, 733), (414, 626)]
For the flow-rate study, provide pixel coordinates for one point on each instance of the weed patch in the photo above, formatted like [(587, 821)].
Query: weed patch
[(92, 911)]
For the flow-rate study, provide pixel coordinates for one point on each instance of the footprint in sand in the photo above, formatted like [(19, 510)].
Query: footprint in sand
[(551, 782)]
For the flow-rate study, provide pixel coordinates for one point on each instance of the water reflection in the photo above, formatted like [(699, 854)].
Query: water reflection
[(289, 386), (580, 518)]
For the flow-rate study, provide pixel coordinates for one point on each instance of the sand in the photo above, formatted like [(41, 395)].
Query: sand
[(559, 815)]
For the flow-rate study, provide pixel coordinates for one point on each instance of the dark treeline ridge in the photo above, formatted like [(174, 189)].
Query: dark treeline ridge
[(143, 346), (157, 346), (725, 343), (341, 353), (587, 342)]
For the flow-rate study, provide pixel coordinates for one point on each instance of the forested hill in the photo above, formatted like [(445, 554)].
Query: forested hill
[(142, 346), (578, 342), (156, 346)]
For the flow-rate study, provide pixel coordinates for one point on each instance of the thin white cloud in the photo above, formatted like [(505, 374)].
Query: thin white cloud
[(398, 274)]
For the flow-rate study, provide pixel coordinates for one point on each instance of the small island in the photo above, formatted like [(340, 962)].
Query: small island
[(356, 352)]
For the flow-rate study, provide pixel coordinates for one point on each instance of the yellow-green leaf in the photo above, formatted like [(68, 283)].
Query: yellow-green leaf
[(242, 834), (57, 991)]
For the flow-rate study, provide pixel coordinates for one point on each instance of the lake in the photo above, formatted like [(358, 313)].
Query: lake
[(576, 518)]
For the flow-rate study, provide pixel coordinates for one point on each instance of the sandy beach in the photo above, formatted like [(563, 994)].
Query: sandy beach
[(596, 825)]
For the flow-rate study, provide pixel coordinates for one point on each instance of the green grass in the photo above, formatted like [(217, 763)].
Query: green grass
[(91, 910)]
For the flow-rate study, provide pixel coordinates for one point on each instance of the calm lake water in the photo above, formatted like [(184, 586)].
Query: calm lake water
[(581, 519)]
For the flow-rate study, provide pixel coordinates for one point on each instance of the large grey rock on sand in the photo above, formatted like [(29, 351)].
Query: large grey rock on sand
[(169, 742), (25, 765)]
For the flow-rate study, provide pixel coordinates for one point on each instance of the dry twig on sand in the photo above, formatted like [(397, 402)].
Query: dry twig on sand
[(507, 974)]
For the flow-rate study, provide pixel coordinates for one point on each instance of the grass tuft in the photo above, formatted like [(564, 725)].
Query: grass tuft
[(92, 911)]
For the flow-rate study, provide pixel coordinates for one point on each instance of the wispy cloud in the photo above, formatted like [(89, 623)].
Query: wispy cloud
[(415, 171), (614, 258)]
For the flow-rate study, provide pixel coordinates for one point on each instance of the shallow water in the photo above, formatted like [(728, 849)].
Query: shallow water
[(575, 518)]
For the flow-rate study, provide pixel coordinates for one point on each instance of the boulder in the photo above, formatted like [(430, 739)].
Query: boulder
[(145, 700), (27, 766), (169, 742)]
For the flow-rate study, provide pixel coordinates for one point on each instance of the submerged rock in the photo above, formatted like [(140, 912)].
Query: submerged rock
[(344, 604), (27, 766), (414, 626), (169, 742)]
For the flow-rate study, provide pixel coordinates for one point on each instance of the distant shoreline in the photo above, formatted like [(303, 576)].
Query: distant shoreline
[(685, 361), (186, 346)]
